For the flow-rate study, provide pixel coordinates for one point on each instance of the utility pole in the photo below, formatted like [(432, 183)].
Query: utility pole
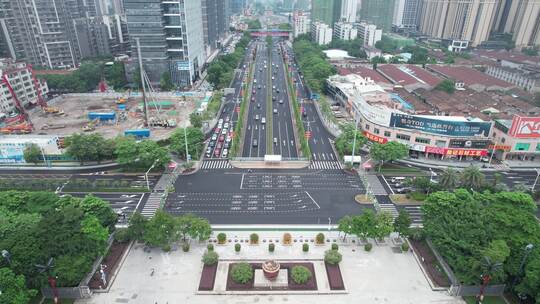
[(354, 140), (185, 141), (145, 106)]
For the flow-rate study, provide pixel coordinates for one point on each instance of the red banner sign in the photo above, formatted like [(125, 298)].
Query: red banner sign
[(457, 152), (525, 127), (375, 138)]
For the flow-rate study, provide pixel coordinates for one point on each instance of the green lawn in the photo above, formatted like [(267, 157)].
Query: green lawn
[(487, 300), (398, 169)]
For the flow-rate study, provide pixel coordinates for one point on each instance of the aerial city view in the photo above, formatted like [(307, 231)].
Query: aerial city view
[(270, 151)]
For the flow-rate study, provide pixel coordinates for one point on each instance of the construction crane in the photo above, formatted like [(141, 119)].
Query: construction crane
[(18, 104)]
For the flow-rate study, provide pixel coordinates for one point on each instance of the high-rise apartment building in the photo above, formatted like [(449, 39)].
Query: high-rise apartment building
[(58, 34), (469, 20), (17, 83), (42, 32), (326, 11), (345, 31), (368, 34), (215, 16), (378, 12), (321, 33), (521, 18), (238, 6), (348, 10), (406, 14), (171, 38), (301, 23)]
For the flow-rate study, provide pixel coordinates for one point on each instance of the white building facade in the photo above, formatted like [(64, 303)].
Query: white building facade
[(301, 23), (368, 33), (348, 10), (345, 31), (321, 33), (19, 84)]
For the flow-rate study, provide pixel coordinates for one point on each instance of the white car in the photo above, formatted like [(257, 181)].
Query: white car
[(224, 132), (224, 153), (226, 125)]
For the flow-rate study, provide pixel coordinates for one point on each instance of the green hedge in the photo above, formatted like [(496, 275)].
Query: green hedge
[(304, 146)]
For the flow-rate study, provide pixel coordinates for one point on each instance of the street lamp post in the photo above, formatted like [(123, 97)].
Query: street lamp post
[(146, 174), (354, 139), (535, 180), (526, 251)]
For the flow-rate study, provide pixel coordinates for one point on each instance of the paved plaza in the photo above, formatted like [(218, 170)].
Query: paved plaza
[(380, 276)]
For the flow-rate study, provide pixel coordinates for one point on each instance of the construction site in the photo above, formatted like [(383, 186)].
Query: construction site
[(112, 115)]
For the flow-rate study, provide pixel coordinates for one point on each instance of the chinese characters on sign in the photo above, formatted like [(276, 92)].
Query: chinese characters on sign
[(525, 127), (375, 138), (456, 152), (440, 126)]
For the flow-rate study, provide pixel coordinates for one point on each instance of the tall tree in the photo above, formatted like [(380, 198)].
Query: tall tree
[(402, 223), (364, 224), (165, 82), (471, 177), (195, 141), (160, 230), (137, 224), (32, 154), (384, 225), (345, 225), (388, 152), (13, 288), (449, 179)]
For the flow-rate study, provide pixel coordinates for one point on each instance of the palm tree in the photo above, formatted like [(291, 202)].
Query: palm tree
[(490, 269), (449, 179), (471, 177)]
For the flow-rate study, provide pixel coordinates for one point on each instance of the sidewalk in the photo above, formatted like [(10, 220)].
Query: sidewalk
[(62, 166), (441, 164)]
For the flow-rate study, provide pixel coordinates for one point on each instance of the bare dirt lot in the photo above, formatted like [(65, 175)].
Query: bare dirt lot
[(76, 107)]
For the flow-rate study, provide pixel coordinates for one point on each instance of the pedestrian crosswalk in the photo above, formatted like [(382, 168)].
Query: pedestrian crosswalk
[(216, 164), (153, 203), (386, 205), (318, 165), (415, 213)]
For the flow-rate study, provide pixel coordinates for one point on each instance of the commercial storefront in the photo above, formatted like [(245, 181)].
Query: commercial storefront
[(517, 139)]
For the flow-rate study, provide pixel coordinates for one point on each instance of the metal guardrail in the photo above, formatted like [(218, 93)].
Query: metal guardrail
[(283, 159)]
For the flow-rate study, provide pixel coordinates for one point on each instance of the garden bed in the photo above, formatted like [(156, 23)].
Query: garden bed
[(430, 263), (335, 280), (112, 261), (208, 277), (402, 199), (311, 284)]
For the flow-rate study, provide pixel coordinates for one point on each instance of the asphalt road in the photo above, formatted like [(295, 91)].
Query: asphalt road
[(283, 130), (230, 109), (255, 135), (266, 196), (320, 141), (122, 204)]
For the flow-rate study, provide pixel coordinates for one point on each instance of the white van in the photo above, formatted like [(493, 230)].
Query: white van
[(257, 117), (263, 120)]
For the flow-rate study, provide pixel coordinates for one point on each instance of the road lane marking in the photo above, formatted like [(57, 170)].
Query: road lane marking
[(319, 207)]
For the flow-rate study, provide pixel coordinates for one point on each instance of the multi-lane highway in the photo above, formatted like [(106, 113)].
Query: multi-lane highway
[(255, 125)]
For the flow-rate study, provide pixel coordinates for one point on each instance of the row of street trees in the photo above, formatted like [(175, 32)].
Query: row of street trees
[(312, 62), (221, 70), (126, 150), (374, 225), (163, 229)]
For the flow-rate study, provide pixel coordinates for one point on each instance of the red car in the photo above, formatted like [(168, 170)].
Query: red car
[(217, 130), (219, 145), (221, 138), (217, 152), (252, 98), (253, 92)]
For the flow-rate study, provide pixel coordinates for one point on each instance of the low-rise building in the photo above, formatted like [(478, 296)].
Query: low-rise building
[(18, 84), (12, 147), (410, 77), (368, 33), (321, 33), (516, 139), (473, 79), (345, 31), (387, 117), (527, 77)]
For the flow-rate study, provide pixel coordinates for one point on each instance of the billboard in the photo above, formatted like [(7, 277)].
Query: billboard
[(182, 65), (525, 127), (440, 126), (465, 143), (456, 152), (375, 138)]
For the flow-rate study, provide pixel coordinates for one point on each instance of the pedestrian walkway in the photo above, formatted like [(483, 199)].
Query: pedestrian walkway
[(415, 213), (153, 203), (216, 164), (375, 185), (385, 204), (318, 165)]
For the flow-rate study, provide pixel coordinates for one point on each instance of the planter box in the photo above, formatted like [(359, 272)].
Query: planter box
[(208, 277), (335, 280)]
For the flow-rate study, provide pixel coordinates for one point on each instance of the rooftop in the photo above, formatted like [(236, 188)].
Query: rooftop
[(409, 75), (509, 56), (364, 72), (469, 76), (335, 54)]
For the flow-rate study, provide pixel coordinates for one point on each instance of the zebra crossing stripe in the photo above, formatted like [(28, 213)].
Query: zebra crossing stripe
[(329, 165), (216, 164)]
